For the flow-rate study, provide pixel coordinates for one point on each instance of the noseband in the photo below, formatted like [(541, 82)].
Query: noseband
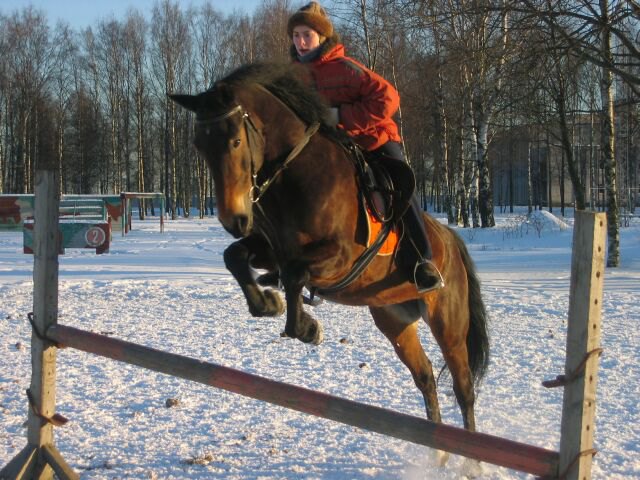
[(251, 131)]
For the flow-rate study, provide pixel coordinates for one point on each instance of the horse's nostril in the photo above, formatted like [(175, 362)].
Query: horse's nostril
[(242, 223)]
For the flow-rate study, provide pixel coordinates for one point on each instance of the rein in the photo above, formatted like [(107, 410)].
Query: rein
[(258, 191)]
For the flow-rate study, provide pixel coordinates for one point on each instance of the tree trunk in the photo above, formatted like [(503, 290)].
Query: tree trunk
[(485, 191), (529, 181), (608, 143), (567, 147)]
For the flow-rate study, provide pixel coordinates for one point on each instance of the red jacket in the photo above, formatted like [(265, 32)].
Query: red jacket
[(366, 101)]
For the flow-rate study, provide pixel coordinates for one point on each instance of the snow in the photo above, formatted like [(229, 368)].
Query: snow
[(171, 291)]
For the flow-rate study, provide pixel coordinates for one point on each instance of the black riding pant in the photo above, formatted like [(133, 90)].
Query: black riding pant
[(412, 219)]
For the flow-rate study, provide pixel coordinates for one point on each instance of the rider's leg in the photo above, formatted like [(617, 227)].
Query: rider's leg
[(426, 275), (417, 260)]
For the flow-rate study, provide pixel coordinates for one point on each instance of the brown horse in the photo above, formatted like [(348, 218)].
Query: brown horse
[(288, 189)]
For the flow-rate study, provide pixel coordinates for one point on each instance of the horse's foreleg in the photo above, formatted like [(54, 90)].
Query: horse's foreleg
[(262, 303), (399, 325), (299, 324)]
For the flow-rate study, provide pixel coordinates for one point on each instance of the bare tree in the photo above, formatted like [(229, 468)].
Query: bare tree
[(4, 102), (135, 31), (30, 64), (587, 29), (270, 22), (63, 91), (170, 56), (608, 135)]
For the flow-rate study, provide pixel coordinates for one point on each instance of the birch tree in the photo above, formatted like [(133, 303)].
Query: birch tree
[(170, 56)]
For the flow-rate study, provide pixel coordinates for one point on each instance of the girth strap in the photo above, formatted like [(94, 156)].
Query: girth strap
[(360, 264)]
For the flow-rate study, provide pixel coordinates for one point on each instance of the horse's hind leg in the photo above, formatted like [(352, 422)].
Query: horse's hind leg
[(262, 303), (452, 339), (456, 359), (399, 324)]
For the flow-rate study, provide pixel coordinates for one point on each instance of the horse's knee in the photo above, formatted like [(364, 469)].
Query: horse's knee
[(234, 253), (294, 276)]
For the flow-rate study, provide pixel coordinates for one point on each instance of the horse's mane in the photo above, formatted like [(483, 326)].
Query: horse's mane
[(291, 83)]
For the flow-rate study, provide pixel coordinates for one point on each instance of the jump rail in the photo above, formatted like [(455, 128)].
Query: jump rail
[(488, 448), (127, 199), (40, 458)]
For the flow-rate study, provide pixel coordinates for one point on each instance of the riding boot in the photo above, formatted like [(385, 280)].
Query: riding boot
[(425, 274)]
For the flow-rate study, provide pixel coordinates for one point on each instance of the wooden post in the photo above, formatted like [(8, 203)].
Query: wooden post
[(583, 345), (39, 459)]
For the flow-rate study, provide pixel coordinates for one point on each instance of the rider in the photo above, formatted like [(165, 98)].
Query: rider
[(362, 104)]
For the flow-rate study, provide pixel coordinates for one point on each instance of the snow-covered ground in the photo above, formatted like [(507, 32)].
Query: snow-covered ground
[(171, 291)]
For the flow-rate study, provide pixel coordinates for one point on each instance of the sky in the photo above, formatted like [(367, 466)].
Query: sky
[(171, 291), (84, 13)]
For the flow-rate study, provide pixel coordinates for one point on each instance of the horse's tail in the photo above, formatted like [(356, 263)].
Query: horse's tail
[(478, 336)]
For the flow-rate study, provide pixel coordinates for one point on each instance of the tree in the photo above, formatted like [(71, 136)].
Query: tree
[(135, 31), (270, 23), (170, 57), (29, 67), (588, 29), (608, 136)]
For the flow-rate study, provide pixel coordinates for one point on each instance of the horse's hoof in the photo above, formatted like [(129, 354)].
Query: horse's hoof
[(271, 305), (471, 468), (314, 334), (442, 458), (274, 303)]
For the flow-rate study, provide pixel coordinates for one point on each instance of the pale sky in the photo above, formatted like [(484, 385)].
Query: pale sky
[(84, 13)]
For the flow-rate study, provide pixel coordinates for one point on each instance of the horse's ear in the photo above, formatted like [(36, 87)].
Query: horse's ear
[(190, 102)]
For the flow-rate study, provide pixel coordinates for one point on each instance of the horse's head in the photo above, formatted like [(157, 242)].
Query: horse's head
[(228, 138)]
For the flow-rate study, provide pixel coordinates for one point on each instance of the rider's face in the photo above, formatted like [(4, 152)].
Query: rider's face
[(305, 39)]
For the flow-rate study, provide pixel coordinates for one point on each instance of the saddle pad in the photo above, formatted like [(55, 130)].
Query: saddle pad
[(373, 228)]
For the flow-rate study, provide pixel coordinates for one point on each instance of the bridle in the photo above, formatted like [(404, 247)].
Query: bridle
[(253, 137), (258, 190)]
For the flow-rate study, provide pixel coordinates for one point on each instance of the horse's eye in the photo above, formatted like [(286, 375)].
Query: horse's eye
[(236, 143)]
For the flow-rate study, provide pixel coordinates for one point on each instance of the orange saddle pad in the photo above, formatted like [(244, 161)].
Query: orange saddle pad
[(374, 227)]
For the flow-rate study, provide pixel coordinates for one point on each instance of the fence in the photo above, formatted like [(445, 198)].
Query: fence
[(15, 210), (573, 460)]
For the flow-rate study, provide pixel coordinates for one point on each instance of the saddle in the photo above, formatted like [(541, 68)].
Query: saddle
[(386, 184)]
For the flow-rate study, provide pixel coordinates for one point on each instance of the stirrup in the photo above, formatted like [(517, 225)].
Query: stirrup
[(435, 280)]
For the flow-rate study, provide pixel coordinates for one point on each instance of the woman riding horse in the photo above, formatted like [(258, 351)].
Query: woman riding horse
[(362, 104)]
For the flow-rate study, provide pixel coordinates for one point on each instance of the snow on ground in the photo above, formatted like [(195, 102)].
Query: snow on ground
[(171, 291)]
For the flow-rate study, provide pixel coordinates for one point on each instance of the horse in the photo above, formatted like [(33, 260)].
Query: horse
[(288, 191)]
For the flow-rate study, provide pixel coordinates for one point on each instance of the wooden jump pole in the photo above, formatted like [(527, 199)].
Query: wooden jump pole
[(484, 447)]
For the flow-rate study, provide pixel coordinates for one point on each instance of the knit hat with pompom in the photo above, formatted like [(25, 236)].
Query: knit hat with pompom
[(314, 16)]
